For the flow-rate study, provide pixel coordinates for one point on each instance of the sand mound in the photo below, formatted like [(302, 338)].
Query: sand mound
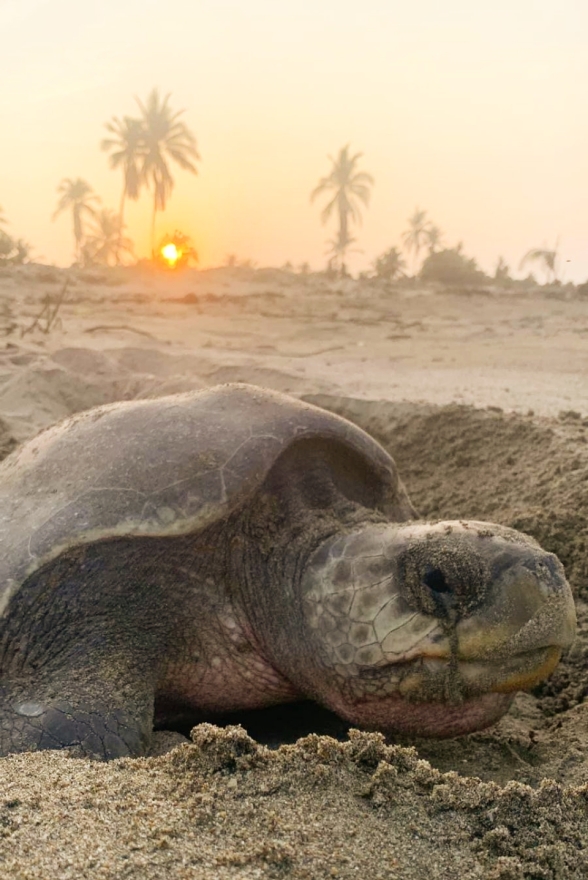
[(152, 362), (278, 380), (85, 362), (37, 389), (48, 388), (225, 807), (44, 393)]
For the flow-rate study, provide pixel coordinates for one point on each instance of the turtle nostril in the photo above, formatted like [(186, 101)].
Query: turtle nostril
[(434, 579)]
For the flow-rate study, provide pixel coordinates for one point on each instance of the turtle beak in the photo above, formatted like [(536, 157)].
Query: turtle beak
[(528, 619)]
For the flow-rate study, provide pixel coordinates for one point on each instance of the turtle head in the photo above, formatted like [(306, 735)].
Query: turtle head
[(431, 629)]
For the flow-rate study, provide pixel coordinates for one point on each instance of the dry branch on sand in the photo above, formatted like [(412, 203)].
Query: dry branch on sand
[(48, 317), (105, 327), (7, 321)]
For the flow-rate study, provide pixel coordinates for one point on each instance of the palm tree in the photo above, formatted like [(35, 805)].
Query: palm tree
[(546, 257), (127, 149), (77, 195), (347, 185), (390, 265), (416, 235), (165, 137), (434, 237), (106, 241)]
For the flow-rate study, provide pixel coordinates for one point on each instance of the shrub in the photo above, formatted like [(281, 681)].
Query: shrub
[(450, 266), (13, 252)]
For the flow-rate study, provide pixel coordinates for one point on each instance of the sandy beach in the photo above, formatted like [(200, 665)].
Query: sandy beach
[(481, 396)]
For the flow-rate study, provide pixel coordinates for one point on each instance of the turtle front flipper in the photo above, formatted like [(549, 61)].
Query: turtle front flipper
[(80, 654), (86, 713)]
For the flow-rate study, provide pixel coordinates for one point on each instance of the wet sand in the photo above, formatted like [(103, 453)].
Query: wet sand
[(482, 398)]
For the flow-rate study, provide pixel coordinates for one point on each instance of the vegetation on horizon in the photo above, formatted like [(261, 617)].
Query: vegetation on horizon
[(13, 251), (106, 241), (146, 148), (390, 265), (548, 260), (176, 251), (451, 266), (421, 233)]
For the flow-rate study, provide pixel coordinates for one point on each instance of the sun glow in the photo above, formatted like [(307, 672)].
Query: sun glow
[(171, 254)]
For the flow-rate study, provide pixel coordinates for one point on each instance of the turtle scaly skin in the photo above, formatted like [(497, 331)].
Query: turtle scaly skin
[(236, 548)]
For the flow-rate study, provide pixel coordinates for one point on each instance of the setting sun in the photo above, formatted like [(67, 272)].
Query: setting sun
[(171, 254)]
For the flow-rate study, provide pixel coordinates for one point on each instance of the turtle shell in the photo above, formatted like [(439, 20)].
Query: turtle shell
[(165, 466)]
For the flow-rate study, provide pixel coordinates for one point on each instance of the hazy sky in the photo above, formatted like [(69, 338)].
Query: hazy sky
[(476, 110)]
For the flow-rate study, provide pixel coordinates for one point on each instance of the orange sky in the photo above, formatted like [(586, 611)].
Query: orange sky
[(475, 111)]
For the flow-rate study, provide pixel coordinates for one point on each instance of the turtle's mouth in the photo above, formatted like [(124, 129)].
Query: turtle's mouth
[(420, 677), (534, 667), (443, 695)]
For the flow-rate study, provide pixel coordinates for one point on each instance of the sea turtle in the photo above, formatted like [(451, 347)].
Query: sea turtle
[(236, 548)]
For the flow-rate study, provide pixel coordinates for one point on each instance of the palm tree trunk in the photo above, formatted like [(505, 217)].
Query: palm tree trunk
[(78, 245), (153, 225), (121, 215), (343, 237)]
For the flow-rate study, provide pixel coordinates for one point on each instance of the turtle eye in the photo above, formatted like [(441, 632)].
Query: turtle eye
[(434, 579)]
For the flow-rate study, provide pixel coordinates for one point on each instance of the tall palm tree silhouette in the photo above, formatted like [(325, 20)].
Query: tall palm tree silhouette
[(78, 196), (127, 150), (165, 138), (348, 185), (105, 241), (416, 235)]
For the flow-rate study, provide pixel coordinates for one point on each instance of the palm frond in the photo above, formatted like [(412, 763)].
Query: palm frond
[(166, 138), (324, 184), (328, 210)]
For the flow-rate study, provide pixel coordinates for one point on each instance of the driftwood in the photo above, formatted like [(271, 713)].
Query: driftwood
[(48, 318), (304, 354), (100, 327)]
